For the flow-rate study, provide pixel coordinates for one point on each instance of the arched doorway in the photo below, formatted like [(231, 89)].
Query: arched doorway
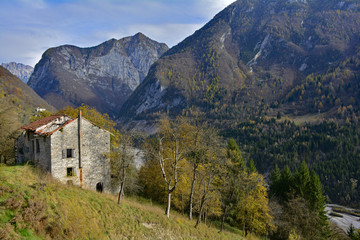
[(99, 187)]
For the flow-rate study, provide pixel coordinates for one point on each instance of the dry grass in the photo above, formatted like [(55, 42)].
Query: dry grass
[(34, 206)]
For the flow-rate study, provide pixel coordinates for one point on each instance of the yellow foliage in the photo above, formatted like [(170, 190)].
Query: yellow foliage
[(253, 210), (101, 120)]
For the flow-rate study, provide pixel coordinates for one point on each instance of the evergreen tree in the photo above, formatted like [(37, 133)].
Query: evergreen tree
[(316, 198), (275, 178), (286, 181), (251, 167), (233, 153), (302, 181), (353, 233)]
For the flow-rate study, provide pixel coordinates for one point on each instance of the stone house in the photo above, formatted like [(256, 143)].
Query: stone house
[(72, 150)]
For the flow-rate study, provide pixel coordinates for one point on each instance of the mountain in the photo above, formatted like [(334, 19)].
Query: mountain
[(14, 94), (259, 57), (18, 103), (20, 70), (102, 76)]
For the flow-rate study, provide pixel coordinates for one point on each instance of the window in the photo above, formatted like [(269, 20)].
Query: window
[(37, 146), (68, 153), (70, 172)]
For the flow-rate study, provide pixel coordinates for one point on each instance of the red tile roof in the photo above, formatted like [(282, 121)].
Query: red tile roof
[(43, 121)]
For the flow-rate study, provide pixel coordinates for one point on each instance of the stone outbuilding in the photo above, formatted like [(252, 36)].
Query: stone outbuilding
[(73, 150)]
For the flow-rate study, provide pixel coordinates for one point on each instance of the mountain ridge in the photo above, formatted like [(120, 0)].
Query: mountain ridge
[(101, 76), (254, 55), (20, 70)]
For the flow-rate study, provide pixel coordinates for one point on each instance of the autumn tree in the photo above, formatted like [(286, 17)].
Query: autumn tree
[(202, 142), (40, 115), (8, 126), (252, 211), (91, 114), (169, 150), (122, 160), (209, 170), (230, 180)]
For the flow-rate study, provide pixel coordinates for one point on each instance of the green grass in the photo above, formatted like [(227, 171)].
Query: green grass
[(34, 206)]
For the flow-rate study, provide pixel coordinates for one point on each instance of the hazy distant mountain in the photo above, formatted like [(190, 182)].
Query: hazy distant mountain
[(259, 57), (20, 70), (102, 76)]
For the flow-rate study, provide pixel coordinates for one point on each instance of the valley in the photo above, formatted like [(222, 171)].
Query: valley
[(267, 92)]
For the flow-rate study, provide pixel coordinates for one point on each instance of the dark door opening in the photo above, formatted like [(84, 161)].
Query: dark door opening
[(99, 187)]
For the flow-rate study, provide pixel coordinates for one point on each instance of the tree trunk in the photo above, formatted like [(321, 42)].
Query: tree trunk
[(192, 194), (202, 203), (121, 191), (222, 222), (205, 216), (168, 205)]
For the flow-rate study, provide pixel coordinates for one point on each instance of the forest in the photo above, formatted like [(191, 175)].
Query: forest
[(191, 167), (330, 148)]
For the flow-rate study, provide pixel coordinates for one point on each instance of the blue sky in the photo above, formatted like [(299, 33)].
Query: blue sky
[(29, 27)]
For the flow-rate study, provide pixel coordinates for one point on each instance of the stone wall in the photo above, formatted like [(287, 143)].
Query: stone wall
[(61, 140), (30, 147), (95, 163), (95, 144)]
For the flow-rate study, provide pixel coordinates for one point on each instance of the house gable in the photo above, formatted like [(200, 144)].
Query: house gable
[(70, 155)]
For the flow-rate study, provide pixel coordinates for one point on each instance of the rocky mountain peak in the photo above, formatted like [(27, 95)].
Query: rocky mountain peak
[(102, 76), (256, 57), (22, 71)]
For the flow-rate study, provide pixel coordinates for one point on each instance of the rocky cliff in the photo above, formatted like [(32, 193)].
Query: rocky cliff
[(102, 76), (259, 57), (20, 70)]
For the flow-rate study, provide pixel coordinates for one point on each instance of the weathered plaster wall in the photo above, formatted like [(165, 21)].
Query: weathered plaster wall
[(95, 143), (66, 138), (95, 146), (27, 151)]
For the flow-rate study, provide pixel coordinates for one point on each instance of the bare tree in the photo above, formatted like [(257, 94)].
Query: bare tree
[(170, 145), (122, 159), (196, 156)]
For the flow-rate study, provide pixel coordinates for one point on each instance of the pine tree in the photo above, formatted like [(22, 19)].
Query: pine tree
[(302, 181), (251, 167), (233, 153), (275, 178), (286, 182), (316, 198)]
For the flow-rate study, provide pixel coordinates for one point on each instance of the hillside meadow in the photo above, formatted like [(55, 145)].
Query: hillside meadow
[(35, 206)]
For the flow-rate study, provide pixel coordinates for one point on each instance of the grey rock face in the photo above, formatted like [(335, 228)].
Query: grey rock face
[(23, 72), (102, 76), (253, 51)]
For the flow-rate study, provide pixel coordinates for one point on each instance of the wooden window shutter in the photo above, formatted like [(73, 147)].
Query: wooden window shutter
[(73, 153), (63, 154)]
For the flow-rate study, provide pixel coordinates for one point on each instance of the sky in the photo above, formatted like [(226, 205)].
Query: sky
[(29, 27)]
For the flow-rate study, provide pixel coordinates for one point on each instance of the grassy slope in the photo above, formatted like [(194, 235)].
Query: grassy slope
[(34, 206)]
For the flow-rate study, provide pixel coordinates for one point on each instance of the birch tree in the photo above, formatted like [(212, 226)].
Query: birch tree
[(198, 147), (170, 152)]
